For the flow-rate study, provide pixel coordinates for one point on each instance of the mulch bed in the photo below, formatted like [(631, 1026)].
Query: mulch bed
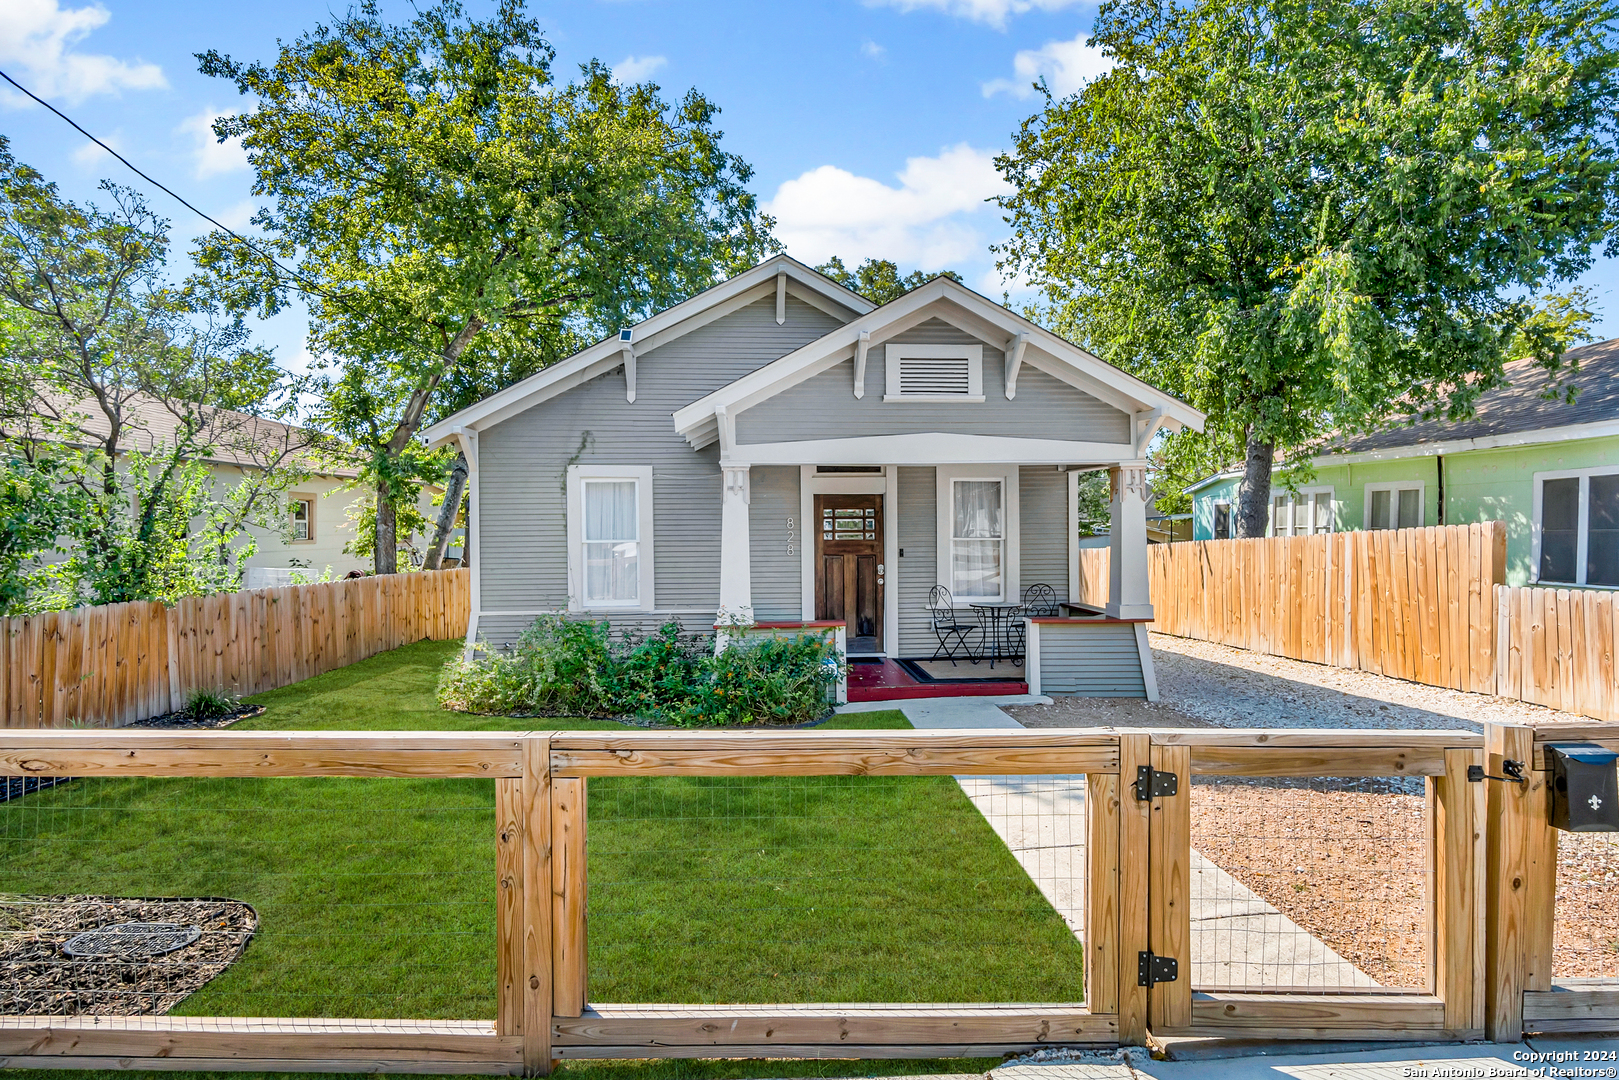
[(38, 979), (1586, 933), (1347, 865), (185, 720)]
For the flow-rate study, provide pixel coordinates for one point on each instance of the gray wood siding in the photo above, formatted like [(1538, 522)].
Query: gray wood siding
[(919, 539), (503, 630), (1090, 660), (778, 593), (825, 407), (1043, 527), (523, 464)]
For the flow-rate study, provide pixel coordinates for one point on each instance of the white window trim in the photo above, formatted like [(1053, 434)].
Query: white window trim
[(1312, 491), (973, 354), (642, 474), (944, 496), (1582, 525), (1397, 485), (309, 500)]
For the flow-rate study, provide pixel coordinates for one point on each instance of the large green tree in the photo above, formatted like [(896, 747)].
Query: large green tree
[(879, 280), (1314, 214), (432, 184)]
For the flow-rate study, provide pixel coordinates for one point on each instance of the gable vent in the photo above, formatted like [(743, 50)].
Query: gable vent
[(950, 375)]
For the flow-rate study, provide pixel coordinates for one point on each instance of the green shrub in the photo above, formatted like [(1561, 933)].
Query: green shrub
[(569, 667)]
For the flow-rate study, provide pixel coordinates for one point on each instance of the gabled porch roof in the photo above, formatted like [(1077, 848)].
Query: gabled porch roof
[(1021, 341)]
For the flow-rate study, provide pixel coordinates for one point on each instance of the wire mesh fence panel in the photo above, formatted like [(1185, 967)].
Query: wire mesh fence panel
[(249, 897), (755, 890), (1316, 884), (1585, 937)]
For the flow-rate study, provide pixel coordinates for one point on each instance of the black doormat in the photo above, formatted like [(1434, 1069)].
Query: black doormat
[(1012, 674)]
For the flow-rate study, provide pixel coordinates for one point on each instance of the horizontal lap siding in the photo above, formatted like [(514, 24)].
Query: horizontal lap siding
[(824, 407), (1090, 661), (918, 538), (1043, 532), (523, 464), (778, 593), (501, 631)]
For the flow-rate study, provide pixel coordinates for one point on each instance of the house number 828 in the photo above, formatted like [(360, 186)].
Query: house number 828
[(792, 536)]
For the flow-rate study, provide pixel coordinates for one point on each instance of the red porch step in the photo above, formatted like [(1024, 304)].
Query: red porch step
[(885, 680)]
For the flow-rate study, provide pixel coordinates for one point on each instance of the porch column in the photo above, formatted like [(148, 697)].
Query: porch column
[(1128, 595), (736, 574)]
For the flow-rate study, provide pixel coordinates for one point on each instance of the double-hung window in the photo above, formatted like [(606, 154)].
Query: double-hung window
[(1308, 511), (1577, 527), (303, 518), (978, 540), (609, 537), (1394, 506)]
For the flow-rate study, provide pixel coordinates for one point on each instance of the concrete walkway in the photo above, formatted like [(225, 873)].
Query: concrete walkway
[(1238, 939)]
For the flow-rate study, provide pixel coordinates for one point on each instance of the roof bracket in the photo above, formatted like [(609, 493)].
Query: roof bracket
[(1014, 363), (781, 295), (628, 353), (860, 363)]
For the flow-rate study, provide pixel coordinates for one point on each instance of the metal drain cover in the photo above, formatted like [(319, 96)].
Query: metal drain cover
[(132, 940)]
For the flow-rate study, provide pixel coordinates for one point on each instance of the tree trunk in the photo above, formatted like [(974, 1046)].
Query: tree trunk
[(387, 546), (447, 514), (1253, 496)]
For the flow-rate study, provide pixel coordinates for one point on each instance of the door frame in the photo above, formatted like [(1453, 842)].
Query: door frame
[(886, 484)]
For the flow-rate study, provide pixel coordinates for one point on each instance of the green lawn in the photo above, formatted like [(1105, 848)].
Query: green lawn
[(376, 897)]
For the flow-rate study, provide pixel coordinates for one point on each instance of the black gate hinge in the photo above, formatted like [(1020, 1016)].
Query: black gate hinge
[(1152, 969), (1152, 783)]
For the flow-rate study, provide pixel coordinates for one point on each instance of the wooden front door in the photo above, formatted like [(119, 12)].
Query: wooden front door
[(849, 566)]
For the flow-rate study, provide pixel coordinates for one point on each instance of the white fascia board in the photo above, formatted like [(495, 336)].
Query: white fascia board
[(658, 329), (1061, 358), (1566, 433), (931, 448), (1208, 480)]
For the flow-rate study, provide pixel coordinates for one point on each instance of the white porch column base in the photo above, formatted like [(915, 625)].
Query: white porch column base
[(1129, 595), (736, 570)]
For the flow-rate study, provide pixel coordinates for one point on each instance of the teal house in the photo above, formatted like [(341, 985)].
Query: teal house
[(1549, 469)]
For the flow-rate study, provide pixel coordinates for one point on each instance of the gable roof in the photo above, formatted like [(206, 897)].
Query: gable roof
[(954, 303), (659, 329), (1513, 414)]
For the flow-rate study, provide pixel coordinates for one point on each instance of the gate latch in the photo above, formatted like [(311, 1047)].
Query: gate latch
[(1152, 784), (1155, 969), (1513, 770)]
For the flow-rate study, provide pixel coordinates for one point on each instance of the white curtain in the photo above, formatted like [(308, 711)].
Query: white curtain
[(612, 551), (975, 541)]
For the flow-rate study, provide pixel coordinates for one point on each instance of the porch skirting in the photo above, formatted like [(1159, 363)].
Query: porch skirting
[(1095, 657)]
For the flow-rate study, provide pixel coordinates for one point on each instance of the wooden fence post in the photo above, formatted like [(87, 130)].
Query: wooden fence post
[(1169, 931), (568, 885), (1134, 864), (536, 986), (1456, 849), (1102, 821), (1508, 879)]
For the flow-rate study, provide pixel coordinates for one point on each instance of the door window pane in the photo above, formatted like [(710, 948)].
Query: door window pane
[(1602, 541), (1559, 528), (1222, 521), (612, 548), (1381, 503), (976, 540)]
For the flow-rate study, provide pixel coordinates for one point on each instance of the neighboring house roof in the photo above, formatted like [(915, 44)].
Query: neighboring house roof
[(1211, 479), (1515, 414), (236, 438), (1022, 341), (748, 287)]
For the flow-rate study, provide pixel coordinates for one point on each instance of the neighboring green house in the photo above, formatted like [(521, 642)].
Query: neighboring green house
[(1549, 469)]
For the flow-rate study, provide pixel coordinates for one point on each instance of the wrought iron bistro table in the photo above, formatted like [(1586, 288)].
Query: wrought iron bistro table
[(998, 621)]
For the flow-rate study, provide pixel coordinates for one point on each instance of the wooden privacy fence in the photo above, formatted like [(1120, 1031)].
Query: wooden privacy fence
[(1488, 910), (1425, 605), (121, 663)]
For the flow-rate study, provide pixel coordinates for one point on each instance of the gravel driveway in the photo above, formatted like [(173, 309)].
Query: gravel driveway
[(1201, 684)]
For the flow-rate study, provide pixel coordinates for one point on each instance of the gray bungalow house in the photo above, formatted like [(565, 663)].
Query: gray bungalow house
[(779, 452)]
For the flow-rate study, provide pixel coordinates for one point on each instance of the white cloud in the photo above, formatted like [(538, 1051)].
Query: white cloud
[(634, 69), (993, 12), (237, 218), (872, 50), (91, 156), (1065, 65), (926, 221), (211, 156), (36, 41)]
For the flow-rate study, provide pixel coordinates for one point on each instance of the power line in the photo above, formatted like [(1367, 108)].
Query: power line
[(295, 275)]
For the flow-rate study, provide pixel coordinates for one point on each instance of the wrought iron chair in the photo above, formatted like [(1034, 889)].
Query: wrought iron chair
[(948, 627), (1040, 601)]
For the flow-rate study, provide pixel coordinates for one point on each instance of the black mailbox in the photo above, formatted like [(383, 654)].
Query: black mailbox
[(1585, 787)]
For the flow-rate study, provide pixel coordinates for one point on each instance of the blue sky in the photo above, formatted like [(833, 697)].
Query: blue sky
[(870, 126)]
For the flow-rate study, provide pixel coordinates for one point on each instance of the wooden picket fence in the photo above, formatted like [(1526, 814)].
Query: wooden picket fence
[(1426, 605), (120, 663)]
